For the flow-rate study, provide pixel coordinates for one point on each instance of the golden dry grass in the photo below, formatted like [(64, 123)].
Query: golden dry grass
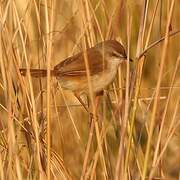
[(45, 132)]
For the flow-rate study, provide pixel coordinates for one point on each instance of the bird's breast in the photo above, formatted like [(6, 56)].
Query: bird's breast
[(98, 81), (102, 80)]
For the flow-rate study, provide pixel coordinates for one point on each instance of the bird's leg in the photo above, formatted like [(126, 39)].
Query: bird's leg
[(81, 101), (93, 113), (86, 108), (97, 98)]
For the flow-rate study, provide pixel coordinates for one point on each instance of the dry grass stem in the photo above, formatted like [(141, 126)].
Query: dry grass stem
[(130, 131)]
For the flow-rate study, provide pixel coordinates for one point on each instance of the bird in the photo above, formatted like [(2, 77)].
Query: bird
[(103, 61)]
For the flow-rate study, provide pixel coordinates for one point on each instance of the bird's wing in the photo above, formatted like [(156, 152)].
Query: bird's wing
[(75, 65)]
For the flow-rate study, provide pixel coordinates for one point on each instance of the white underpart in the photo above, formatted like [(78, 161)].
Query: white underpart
[(99, 82)]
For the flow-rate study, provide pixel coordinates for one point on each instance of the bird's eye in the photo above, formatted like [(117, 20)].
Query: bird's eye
[(117, 55), (114, 54)]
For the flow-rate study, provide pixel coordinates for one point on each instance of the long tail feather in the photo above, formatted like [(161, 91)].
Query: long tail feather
[(36, 72)]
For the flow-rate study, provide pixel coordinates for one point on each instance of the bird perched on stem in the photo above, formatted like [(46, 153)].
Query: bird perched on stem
[(103, 61)]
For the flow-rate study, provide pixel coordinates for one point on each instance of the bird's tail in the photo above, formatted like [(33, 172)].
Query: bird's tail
[(37, 72)]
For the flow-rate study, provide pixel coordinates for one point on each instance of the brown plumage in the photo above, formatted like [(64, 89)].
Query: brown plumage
[(103, 61)]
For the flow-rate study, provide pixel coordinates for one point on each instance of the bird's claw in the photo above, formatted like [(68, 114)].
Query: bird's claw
[(92, 117)]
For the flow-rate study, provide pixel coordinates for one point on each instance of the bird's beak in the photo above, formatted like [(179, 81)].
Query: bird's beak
[(129, 59), (125, 57)]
